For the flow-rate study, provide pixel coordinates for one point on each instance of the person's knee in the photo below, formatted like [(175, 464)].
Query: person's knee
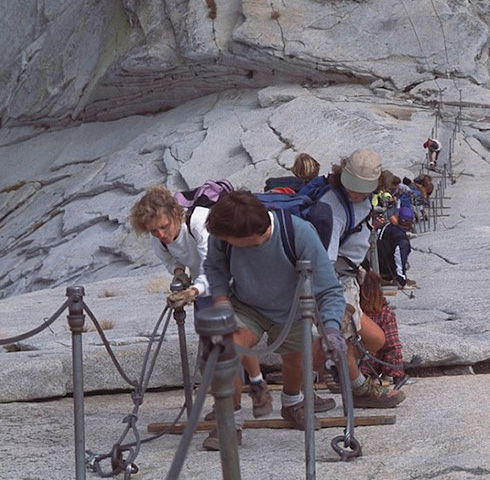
[(371, 334), (245, 337)]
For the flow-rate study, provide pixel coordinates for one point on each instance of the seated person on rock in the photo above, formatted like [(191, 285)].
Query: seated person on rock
[(355, 179), (374, 304), (249, 271), (182, 245)]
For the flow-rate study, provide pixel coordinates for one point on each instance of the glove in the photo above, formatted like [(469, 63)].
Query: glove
[(181, 276), (334, 342), (184, 297)]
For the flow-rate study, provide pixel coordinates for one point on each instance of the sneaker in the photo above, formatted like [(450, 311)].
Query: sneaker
[(296, 414), (322, 404), (261, 399), (372, 395), (211, 442)]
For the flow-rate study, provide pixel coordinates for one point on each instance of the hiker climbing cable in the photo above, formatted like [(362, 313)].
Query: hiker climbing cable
[(351, 185), (434, 148), (180, 240), (305, 168), (250, 272), (394, 248)]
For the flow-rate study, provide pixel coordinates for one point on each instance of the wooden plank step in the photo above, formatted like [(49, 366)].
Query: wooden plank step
[(361, 421)]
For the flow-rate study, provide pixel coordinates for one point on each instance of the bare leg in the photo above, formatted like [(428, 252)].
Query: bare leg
[(251, 364), (245, 338), (292, 372), (373, 338), (372, 335)]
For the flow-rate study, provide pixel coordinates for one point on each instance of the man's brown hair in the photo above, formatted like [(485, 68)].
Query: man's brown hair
[(238, 214)]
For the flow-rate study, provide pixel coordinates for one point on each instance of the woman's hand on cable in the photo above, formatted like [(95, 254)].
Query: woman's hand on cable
[(334, 342), (184, 297)]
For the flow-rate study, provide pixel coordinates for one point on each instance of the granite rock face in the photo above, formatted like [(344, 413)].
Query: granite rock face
[(89, 60), (99, 100)]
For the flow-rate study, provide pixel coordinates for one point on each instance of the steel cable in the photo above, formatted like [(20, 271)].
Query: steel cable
[(39, 329), (108, 347), (185, 441)]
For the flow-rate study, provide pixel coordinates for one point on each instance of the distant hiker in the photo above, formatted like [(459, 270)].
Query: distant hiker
[(374, 304), (434, 148), (394, 248), (250, 272), (398, 189), (425, 185), (305, 169), (352, 183), (182, 245)]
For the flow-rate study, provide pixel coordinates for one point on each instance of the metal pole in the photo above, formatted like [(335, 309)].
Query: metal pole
[(307, 306), (179, 317), (373, 250), (76, 320), (217, 324)]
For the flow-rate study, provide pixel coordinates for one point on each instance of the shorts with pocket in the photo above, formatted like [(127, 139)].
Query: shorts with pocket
[(249, 318)]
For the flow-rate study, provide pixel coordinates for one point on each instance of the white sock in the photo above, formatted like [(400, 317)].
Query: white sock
[(258, 379), (329, 364), (359, 381), (289, 400)]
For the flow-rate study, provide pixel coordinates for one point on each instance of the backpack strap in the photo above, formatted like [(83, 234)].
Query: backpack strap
[(343, 199), (345, 202), (357, 228), (287, 235)]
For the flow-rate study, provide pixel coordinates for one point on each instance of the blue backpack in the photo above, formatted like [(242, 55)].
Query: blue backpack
[(306, 205)]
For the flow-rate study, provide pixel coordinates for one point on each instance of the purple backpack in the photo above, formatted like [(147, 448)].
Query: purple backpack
[(204, 196)]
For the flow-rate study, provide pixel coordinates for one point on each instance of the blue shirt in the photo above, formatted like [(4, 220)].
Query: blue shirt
[(264, 278)]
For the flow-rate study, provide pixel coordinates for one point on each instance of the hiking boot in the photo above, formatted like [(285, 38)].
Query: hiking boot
[(261, 399), (322, 404), (411, 283), (372, 395), (333, 386), (211, 442), (211, 416), (296, 414)]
